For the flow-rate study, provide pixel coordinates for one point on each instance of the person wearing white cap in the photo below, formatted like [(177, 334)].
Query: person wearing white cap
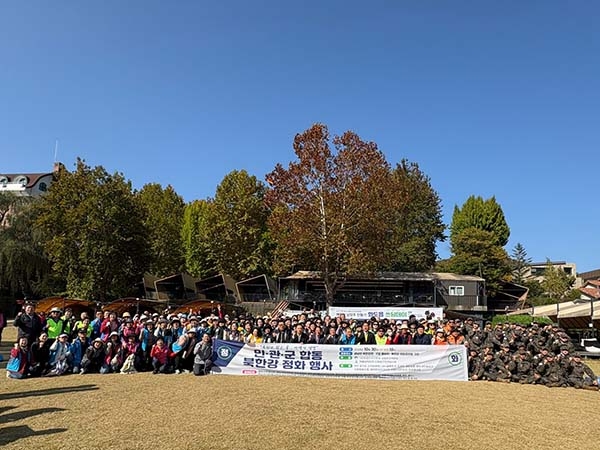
[(60, 351), (94, 356), (54, 324)]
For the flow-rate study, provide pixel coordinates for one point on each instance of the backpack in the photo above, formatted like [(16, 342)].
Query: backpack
[(14, 363)]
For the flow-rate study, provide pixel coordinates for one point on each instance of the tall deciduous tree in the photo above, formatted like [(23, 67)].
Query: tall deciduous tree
[(94, 232), (535, 295), (163, 219), (196, 239), (556, 282), (482, 214), (331, 211), (24, 266), (238, 228), (8, 202)]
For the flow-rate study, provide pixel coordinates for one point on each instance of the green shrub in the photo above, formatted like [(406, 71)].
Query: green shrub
[(523, 319)]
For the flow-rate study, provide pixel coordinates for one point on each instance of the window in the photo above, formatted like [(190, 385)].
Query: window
[(538, 271), (43, 187), (22, 180), (568, 270), (456, 290)]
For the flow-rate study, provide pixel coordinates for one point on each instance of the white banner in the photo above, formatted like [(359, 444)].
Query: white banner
[(385, 312), (405, 362)]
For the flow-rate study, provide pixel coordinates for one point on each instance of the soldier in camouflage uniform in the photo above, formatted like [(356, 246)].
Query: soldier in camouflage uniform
[(475, 337), (494, 369), (559, 340), (536, 343), (564, 358), (496, 338), (521, 369), (475, 365), (540, 356), (505, 354), (550, 373), (580, 376), (487, 333), (520, 336)]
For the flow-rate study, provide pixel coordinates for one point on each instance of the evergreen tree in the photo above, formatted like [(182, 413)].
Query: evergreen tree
[(482, 214), (416, 218), (478, 234), (476, 254), (520, 263)]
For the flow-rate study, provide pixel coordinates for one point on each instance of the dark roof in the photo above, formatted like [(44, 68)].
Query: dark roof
[(545, 263), (32, 178), (592, 274)]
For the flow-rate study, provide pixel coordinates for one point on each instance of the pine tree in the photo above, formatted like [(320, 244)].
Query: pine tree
[(520, 263)]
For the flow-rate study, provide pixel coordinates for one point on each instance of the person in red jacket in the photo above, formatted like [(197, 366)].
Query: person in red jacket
[(110, 325), (160, 356), (20, 360)]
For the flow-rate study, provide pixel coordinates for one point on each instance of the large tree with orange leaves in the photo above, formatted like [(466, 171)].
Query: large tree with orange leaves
[(339, 211)]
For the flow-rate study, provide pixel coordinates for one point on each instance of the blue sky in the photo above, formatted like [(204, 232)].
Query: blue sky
[(490, 98)]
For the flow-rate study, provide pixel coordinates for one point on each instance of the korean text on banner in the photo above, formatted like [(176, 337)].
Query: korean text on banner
[(406, 362), (360, 313)]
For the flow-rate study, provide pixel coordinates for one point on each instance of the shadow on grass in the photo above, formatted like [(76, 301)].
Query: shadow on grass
[(50, 391), (20, 415), (12, 434), (3, 409)]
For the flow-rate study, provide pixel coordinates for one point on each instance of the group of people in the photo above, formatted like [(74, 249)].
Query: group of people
[(182, 343), (528, 355), (107, 344)]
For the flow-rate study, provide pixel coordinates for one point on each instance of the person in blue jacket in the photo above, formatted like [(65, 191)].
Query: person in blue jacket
[(78, 348)]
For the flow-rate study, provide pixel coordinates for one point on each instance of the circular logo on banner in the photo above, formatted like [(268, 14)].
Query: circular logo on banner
[(455, 358), (225, 352)]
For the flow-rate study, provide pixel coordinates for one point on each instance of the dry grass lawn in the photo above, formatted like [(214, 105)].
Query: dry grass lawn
[(225, 412)]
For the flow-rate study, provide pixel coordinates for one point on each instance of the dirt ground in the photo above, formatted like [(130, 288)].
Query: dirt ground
[(226, 412)]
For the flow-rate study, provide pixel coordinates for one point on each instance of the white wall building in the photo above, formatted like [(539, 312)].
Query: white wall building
[(27, 184)]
